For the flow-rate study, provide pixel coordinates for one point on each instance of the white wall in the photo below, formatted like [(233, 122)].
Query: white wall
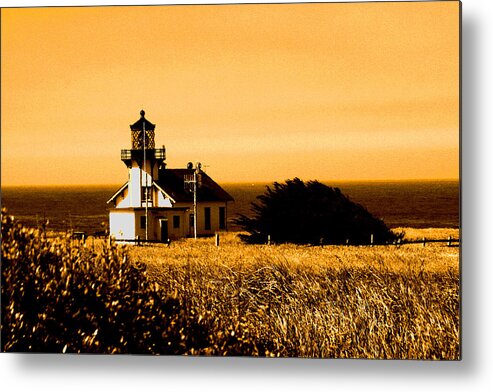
[(155, 218), (137, 179), (163, 201), (134, 186), (123, 199), (122, 224), (167, 218), (180, 231), (214, 206), (151, 225)]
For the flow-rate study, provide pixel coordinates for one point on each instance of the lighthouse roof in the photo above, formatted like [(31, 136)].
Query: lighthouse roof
[(172, 182), (141, 122)]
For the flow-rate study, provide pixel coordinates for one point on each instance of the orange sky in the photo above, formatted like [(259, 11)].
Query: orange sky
[(362, 91)]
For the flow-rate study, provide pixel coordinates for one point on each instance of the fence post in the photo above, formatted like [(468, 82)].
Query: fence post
[(424, 242), (217, 239), (268, 239), (371, 240), (138, 240), (347, 241), (449, 243)]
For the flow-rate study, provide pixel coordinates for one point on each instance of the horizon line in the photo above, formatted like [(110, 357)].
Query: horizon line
[(253, 182)]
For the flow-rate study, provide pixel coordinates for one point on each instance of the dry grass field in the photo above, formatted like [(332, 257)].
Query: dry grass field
[(64, 295), (330, 302)]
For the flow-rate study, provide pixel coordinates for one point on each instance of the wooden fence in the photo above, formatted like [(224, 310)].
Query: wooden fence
[(451, 242)]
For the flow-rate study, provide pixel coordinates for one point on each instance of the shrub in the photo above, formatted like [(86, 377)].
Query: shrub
[(311, 213), (58, 297)]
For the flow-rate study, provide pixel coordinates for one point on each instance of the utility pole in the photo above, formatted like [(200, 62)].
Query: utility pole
[(145, 173), (195, 200)]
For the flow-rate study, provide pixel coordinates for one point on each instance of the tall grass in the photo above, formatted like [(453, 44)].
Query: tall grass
[(331, 302), (58, 296), (195, 298)]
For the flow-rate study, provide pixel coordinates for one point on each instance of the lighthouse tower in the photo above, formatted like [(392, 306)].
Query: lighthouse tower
[(143, 161)]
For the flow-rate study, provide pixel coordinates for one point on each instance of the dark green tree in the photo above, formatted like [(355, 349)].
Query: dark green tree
[(311, 213)]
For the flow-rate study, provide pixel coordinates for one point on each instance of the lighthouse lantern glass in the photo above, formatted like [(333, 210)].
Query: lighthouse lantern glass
[(138, 139)]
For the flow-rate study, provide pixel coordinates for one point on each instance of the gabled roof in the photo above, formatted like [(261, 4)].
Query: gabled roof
[(154, 183), (139, 124), (172, 182), (117, 192)]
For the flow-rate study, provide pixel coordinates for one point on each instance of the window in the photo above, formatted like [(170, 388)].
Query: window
[(207, 218), (143, 222), (146, 194), (176, 222), (222, 217)]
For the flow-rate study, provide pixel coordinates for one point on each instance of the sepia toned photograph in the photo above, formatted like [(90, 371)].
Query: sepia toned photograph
[(254, 180)]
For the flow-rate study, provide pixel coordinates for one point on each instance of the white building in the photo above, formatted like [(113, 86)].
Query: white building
[(157, 203)]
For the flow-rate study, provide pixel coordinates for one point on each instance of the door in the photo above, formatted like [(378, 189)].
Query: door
[(164, 229), (191, 225)]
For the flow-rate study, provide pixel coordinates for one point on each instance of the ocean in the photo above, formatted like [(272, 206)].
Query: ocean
[(417, 204)]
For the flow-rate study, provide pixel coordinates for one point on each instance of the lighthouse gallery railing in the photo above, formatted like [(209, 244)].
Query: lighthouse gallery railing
[(157, 153)]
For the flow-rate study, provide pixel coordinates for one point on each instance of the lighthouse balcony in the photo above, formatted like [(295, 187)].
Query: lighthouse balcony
[(134, 154)]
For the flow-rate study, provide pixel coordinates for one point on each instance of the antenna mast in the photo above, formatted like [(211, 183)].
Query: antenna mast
[(190, 181)]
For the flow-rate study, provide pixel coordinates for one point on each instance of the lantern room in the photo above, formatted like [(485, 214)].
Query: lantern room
[(142, 133)]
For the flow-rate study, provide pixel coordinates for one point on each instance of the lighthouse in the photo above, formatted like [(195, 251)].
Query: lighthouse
[(143, 161), (158, 203)]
